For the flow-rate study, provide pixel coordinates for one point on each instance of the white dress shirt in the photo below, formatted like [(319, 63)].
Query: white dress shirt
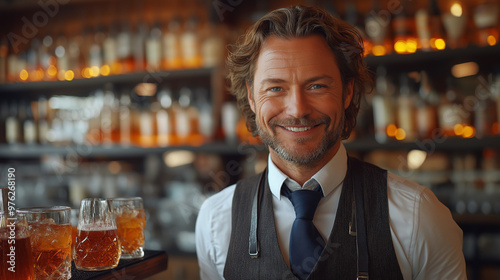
[(427, 241)]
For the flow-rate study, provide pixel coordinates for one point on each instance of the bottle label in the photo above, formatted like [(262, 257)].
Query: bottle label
[(153, 53), (11, 130)]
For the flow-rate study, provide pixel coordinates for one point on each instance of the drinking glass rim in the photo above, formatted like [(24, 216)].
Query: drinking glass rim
[(41, 209), (125, 198)]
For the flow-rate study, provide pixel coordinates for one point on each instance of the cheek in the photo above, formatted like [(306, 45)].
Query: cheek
[(266, 109)]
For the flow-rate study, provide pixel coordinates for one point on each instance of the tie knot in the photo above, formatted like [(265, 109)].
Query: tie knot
[(305, 202)]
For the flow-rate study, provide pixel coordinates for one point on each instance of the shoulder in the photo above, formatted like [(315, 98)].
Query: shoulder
[(424, 232), (415, 202), (219, 202), (398, 185)]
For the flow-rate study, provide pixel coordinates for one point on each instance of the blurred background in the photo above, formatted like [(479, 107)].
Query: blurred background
[(107, 98)]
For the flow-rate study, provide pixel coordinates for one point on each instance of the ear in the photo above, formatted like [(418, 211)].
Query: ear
[(250, 97), (348, 94)]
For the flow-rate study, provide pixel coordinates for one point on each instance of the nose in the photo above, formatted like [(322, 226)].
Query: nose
[(297, 103)]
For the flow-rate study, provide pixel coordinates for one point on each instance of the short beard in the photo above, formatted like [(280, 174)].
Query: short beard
[(309, 158)]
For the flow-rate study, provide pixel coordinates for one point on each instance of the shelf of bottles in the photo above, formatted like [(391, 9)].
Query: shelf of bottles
[(408, 27), (116, 45), (142, 117)]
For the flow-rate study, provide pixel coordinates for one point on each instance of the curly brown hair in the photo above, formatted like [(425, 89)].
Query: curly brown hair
[(296, 22)]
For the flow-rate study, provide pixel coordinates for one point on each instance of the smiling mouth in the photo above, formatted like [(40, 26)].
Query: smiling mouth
[(298, 129)]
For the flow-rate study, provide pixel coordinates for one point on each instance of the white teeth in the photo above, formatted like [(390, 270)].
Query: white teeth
[(298, 129)]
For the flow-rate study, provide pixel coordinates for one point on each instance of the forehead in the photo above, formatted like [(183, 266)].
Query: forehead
[(309, 54)]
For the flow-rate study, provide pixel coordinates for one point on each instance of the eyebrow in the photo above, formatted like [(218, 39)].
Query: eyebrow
[(309, 80), (317, 78)]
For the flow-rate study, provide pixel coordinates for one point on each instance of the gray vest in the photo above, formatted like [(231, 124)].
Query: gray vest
[(339, 258)]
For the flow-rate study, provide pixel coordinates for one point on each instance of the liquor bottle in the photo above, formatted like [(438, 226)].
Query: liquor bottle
[(138, 46), (190, 42), (485, 109), (186, 118), (153, 48), (454, 22), (43, 124), (125, 120), (75, 56), (496, 97), (22, 67), (12, 67), (146, 123), (32, 59), (406, 110), (212, 48), (429, 27), (230, 117), (48, 59), (108, 119), (110, 50), (486, 20), (451, 113), (12, 127), (426, 108), (93, 136), (353, 18), (206, 124), (376, 27), (21, 118), (4, 52), (171, 40), (383, 107), (4, 114), (95, 54), (163, 119), (62, 57), (124, 47), (404, 30), (29, 126)]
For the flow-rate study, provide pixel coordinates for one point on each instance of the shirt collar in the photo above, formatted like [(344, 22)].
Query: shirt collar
[(329, 176)]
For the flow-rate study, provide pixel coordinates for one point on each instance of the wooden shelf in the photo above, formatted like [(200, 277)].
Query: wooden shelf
[(82, 86), (429, 145), (435, 60), (21, 151), (16, 152)]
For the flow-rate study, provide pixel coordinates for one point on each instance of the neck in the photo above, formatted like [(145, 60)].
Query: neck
[(300, 173)]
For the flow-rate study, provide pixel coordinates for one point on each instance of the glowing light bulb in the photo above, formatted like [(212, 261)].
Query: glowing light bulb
[(400, 134), (456, 9)]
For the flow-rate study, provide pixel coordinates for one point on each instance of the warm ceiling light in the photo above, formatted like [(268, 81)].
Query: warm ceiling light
[(145, 89), (416, 158), (464, 69), (178, 158)]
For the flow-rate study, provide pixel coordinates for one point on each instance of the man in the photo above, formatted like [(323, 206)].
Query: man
[(298, 75)]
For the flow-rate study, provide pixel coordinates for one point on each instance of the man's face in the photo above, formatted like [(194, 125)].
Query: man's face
[(297, 98)]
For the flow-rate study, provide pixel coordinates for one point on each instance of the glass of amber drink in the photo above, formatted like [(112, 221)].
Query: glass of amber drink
[(74, 230), (16, 261), (50, 230), (130, 221), (97, 246)]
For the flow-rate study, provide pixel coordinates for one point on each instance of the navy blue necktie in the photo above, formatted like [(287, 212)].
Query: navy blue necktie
[(306, 243)]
